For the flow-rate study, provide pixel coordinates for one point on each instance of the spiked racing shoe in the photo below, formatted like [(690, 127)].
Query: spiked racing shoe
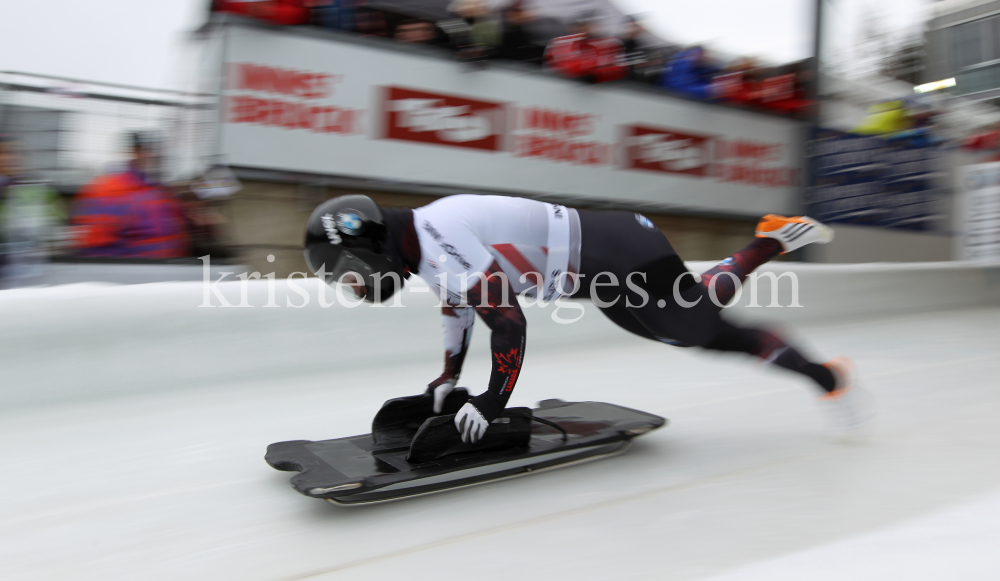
[(850, 408), (795, 232)]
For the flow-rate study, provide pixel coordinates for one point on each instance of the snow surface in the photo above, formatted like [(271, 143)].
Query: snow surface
[(133, 426)]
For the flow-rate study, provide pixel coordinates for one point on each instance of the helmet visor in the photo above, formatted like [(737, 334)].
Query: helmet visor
[(345, 264), (359, 277)]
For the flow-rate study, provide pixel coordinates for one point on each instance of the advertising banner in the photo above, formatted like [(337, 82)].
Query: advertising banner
[(860, 179), (980, 187), (320, 105)]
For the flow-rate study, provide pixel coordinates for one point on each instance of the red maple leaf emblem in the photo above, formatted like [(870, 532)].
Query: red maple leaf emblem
[(509, 364)]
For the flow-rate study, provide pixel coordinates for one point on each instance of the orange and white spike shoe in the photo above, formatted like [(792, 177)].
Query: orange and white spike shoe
[(851, 408), (794, 232)]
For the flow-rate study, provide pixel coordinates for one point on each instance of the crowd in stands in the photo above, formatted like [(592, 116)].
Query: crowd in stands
[(476, 32)]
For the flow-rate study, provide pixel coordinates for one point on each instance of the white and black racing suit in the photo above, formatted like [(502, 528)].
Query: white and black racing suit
[(461, 244)]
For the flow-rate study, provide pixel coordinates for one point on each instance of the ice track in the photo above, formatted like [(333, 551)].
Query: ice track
[(133, 427)]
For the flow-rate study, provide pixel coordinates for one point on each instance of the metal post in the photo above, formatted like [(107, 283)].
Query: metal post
[(812, 121), (814, 92)]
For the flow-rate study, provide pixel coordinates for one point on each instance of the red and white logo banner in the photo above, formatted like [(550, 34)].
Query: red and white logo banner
[(442, 119), (666, 150), (332, 106)]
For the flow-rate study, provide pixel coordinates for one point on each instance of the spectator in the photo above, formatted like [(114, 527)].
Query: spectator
[(690, 72), (923, 130), (369, 21), (456, 30), (416, 32), (635, 55), (585, 55), (203, 224), (482, 37), (884, 119), (519, 41), (650, 71), (335, 14), (30, 217), (129, 214), (348, 16), (781, 91), (736, 83), (201, 199), (283, 12)]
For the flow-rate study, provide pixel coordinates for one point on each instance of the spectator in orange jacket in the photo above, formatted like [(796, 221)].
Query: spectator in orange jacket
[(585, 54), (130, 215)]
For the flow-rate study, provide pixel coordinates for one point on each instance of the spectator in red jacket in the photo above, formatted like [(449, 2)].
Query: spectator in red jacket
[(736, 83), (284, 12), (586, 55), (785, 91)]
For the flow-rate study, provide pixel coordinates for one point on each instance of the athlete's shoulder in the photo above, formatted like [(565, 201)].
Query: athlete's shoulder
[(458, 200), (477, 211)]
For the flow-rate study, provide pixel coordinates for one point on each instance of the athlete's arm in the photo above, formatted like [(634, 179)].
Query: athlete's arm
[(456, 322), (495, 301)]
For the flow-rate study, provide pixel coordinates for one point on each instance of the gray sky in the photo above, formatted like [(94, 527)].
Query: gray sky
[(776, 30), (139, 41), (121, 41)]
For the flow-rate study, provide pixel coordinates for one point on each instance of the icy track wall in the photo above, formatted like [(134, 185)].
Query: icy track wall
[(85, 341)]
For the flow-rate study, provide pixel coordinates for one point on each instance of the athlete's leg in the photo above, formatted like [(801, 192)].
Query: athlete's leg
[(689, 318), (771, 349), (775, 235), (620, 315), (848, 406), (738, 267), (610, 302), (612, 243), (668, 304)]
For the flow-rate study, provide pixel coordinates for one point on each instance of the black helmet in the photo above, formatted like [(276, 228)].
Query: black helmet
[(348, 235)]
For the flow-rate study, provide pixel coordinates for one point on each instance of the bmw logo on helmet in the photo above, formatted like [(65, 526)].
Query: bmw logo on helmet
[(351, 222), (646, 222)]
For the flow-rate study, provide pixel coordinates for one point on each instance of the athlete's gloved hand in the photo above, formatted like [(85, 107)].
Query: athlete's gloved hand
[(470, 423), (441, 387)]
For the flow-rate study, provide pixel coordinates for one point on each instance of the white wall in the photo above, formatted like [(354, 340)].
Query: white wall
[(100, 341)]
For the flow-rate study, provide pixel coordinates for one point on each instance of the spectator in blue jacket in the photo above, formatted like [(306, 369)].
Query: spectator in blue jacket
[(690, 72)]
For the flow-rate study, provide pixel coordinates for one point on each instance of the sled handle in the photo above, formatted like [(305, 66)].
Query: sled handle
[(552, 424)]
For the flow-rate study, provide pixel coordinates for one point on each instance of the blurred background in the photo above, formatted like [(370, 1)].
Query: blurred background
[(135, 134), (142, 141)]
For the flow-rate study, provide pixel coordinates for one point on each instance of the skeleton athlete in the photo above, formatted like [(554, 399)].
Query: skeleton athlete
[(479, 252)]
